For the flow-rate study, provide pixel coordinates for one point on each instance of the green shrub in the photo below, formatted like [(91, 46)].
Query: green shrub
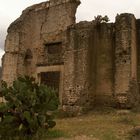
[(101, 19), (27, 108)]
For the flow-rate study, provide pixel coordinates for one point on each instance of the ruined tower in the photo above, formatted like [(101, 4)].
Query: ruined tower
[(88, 63)]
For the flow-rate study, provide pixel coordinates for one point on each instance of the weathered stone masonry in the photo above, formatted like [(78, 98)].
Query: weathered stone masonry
[(90, 63)]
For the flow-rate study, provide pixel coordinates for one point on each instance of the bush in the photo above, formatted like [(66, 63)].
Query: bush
[(101, 19), (27, 108)]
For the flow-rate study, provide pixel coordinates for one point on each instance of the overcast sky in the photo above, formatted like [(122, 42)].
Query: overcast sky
[(11, 9)]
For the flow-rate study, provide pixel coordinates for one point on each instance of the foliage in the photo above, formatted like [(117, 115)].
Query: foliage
[(100, 19), (27, 108)]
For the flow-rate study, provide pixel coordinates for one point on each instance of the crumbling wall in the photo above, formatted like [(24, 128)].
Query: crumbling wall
[(104, 48), (60, 15), (76, 84), (98, 62), (125, 56), (38, 25), (89, 63)]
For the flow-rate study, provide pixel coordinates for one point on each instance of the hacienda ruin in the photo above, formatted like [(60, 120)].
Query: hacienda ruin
[(88, 63)]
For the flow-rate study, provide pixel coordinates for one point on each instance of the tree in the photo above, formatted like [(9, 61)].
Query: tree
[(27, 108)]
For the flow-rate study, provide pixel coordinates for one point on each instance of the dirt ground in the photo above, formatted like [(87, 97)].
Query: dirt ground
[(102, 125), (82, 137)]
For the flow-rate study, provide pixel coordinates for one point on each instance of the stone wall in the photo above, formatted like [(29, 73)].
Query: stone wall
[(38, 25), (104, 56), (76, 82), (89, 65), (98, 63)]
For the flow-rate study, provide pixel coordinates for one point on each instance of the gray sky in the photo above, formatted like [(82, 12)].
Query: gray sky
[(11, 9)]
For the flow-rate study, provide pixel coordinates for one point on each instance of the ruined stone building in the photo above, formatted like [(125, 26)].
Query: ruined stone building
[(89, 63)]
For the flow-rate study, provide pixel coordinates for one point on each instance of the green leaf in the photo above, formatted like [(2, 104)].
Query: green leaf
[(42, 119), (20, 127), (27, 116), (9, 119), (3, 107)]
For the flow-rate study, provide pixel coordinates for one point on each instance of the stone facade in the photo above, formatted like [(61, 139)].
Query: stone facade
[(90, 63)]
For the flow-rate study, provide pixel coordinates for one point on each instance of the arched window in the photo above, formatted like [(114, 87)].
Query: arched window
[(28, 57), (28, 54)]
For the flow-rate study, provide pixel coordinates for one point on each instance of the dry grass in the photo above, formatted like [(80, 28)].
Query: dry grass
[(97, 125)]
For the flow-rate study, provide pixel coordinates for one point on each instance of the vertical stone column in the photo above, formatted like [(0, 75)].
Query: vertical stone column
[(125, 57)]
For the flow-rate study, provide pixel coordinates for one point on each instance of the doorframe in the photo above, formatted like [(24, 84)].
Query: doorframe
[(58, 68)]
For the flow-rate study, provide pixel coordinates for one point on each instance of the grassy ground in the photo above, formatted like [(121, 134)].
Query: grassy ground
[(113, 125)]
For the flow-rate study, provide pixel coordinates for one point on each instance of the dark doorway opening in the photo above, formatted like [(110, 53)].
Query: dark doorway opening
[(51, 79)]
